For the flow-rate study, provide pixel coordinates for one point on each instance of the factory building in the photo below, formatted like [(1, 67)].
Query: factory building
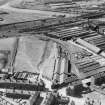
[(62, 68), (98, 25), (57, 68)]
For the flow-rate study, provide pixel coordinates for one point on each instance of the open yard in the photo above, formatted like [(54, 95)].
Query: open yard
[(35, 55)]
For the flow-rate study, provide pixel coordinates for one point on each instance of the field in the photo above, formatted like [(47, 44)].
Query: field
[(29, 53), (32, 55)]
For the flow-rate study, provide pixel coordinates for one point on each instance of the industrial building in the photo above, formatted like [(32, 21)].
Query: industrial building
[(79, 62)]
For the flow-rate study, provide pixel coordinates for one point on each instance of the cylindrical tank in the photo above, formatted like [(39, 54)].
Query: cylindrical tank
[(57, 66), (56, 74), (63, 70), (63, 66)]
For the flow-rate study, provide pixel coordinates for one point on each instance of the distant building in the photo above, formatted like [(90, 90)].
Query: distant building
[(98, 25)]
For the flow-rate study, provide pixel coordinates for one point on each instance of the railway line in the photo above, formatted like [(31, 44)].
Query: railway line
[(49, 25)]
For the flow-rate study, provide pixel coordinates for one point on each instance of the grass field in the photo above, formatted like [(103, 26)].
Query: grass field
[(29, 54), (33, 55)]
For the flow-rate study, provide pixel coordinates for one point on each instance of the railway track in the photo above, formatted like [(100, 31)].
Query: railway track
[(46, 25)]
